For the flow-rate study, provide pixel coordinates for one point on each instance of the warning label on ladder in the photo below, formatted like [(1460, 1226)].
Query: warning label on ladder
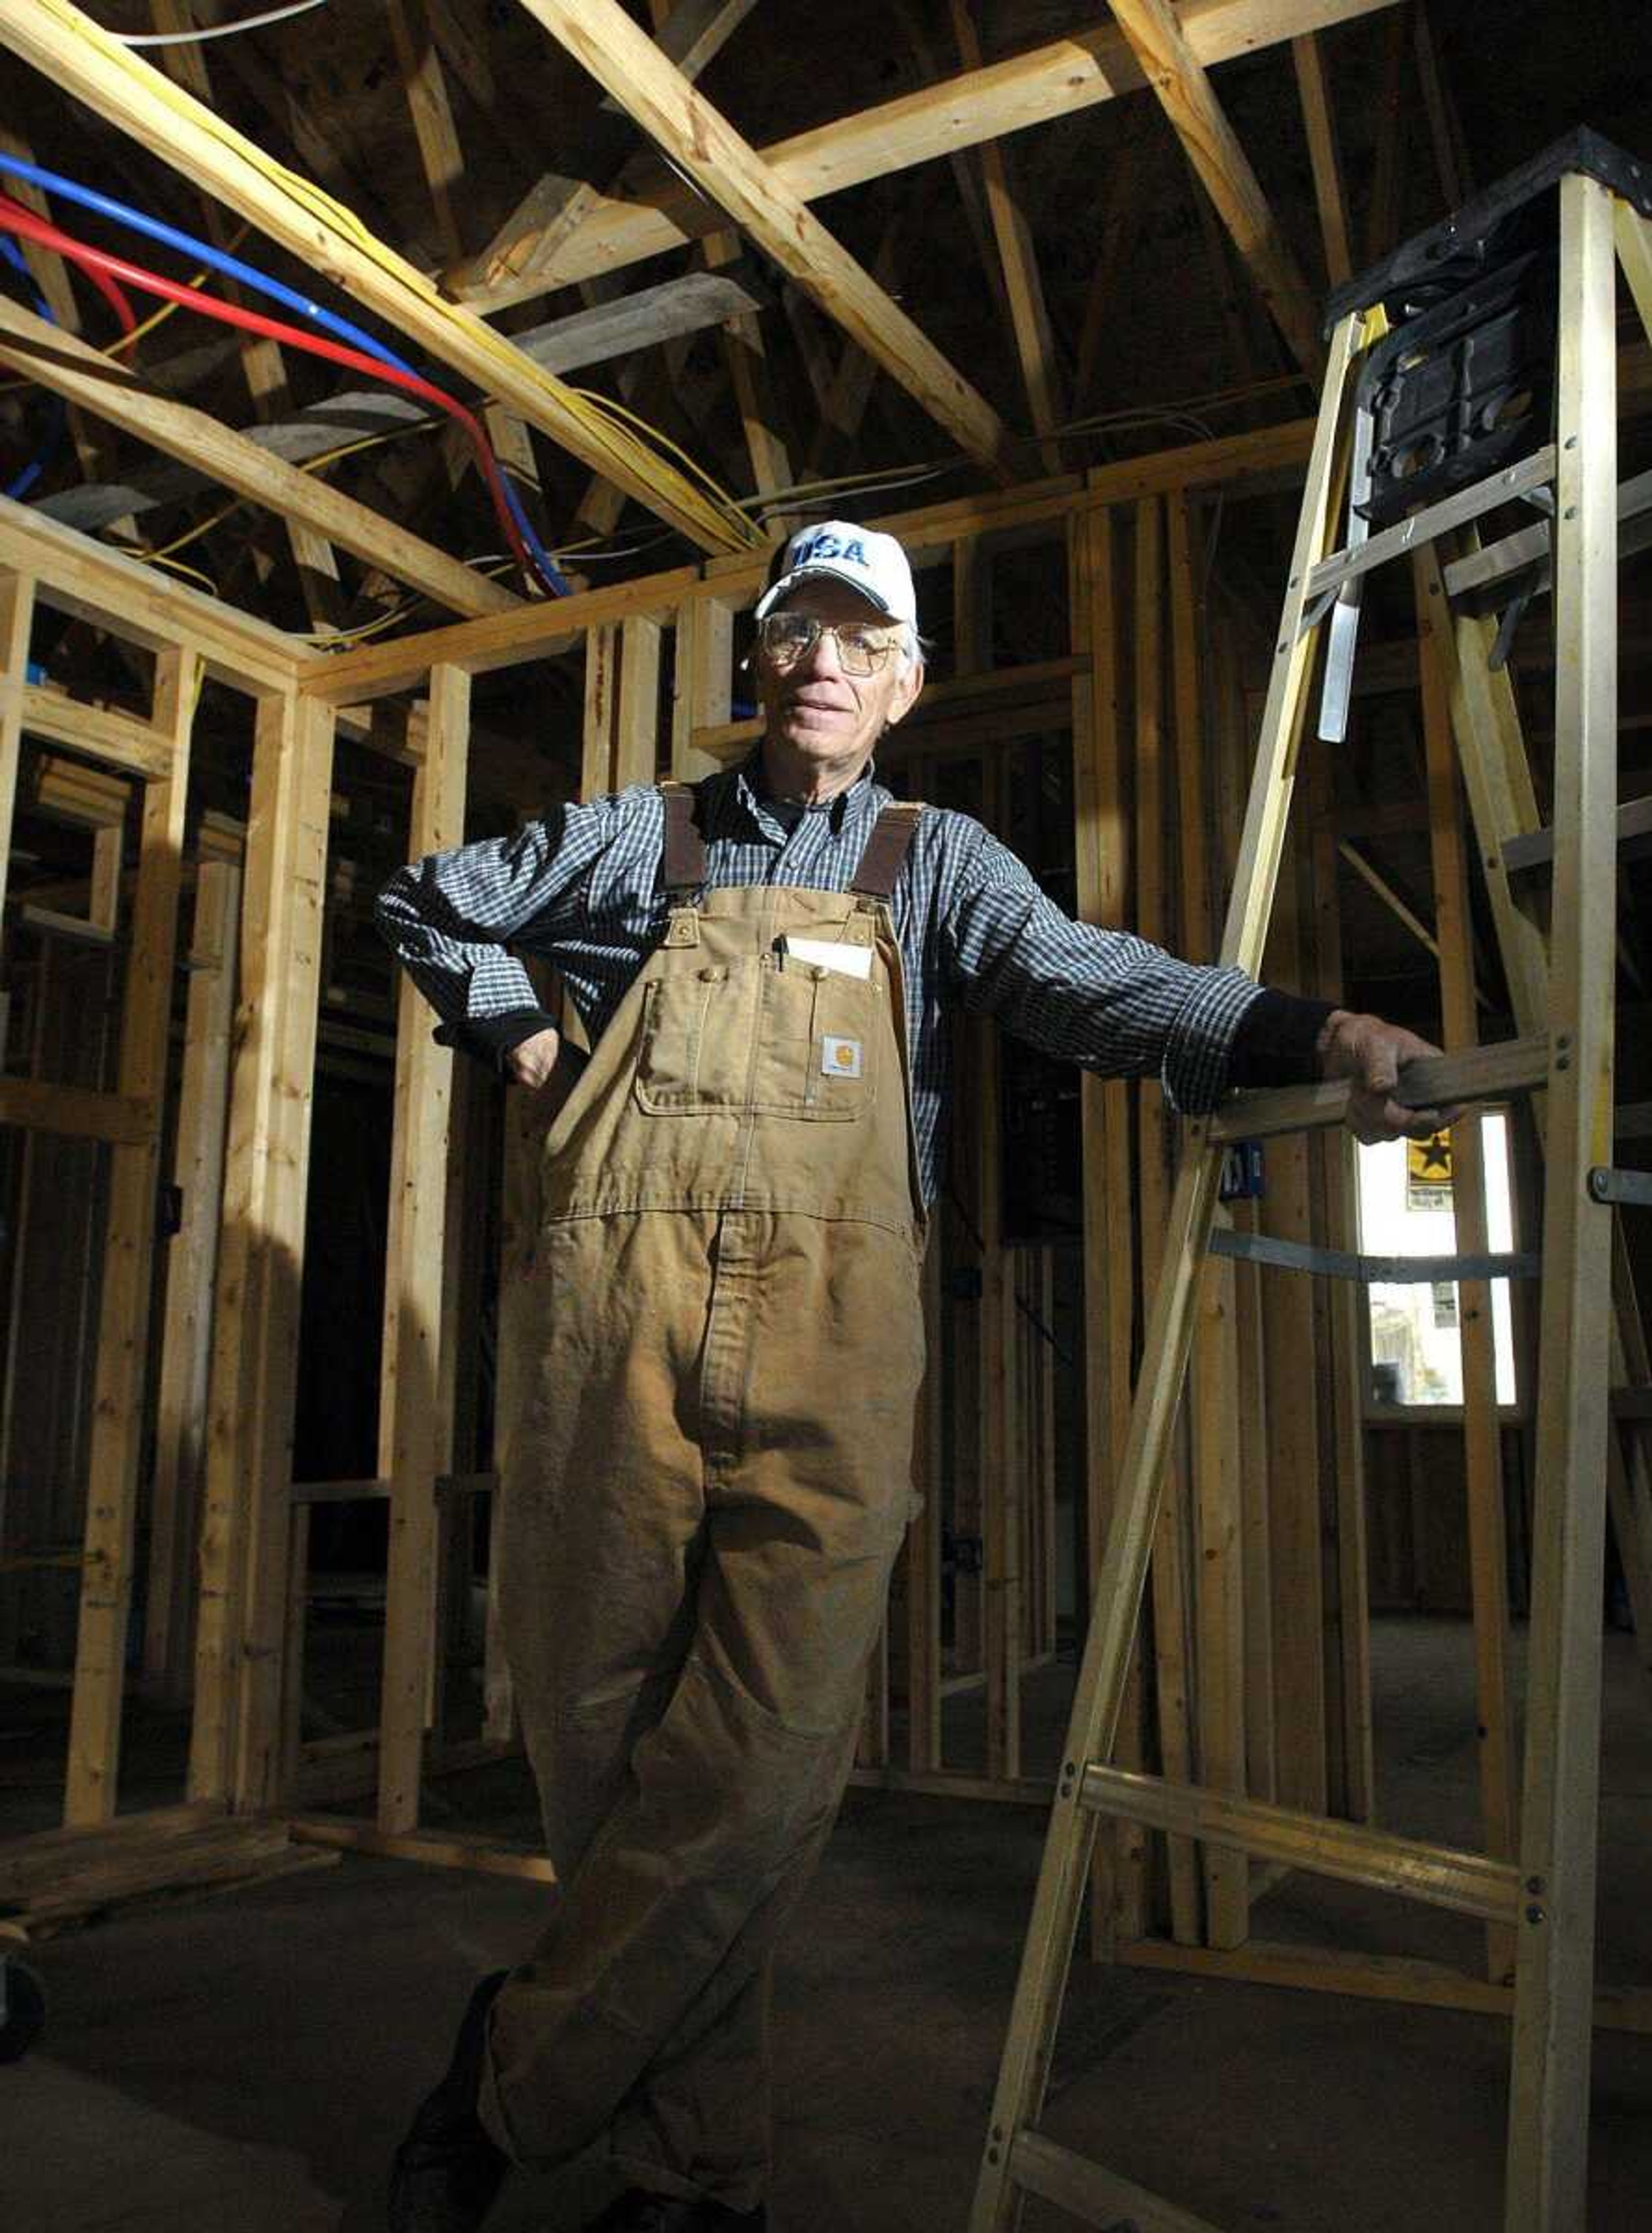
[(1428, 1172)]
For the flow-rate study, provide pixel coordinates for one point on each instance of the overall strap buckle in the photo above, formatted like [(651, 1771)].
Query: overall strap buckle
[(682, 863), (886, 851)]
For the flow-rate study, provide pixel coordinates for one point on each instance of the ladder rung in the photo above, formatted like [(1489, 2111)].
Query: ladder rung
[(1480, 1074), (1534, 849), (1467, 1884), (1423, 527), (1089, 2190), (1481, 582)]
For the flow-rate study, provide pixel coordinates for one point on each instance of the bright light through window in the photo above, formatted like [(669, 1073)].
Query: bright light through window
[(1405, 1210)]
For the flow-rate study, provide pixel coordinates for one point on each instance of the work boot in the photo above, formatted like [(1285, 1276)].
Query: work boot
[(447, 2172), (639, 2212)]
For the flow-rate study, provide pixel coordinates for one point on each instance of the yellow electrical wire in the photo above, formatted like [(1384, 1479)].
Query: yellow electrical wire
[(728, 527), (336, 639), (610, 406), (177, 566), (191, 534), (169, 310)]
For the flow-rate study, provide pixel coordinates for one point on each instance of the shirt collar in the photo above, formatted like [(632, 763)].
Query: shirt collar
[(848, 806)]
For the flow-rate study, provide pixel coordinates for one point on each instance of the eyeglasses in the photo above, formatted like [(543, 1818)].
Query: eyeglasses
[(784, 638)]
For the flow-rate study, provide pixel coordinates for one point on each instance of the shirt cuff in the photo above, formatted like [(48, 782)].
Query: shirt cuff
[(1277, 1040), (1194, 1066), (490, 1038)]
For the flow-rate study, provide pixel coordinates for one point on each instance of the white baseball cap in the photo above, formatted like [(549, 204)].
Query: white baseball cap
[(837, 550)]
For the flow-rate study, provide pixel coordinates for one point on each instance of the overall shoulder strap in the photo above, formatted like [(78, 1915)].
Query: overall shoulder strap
[(885, 850), (683, 867)]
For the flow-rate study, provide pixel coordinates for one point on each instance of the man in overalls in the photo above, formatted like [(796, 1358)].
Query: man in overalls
[(710, 1479)]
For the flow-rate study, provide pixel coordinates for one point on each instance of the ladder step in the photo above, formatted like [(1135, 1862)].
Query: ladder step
[(1073, 2183), (1481, 1074), (1390, 1271), (1483, 581), (1467, 1884), (1424, 526), (1535, 849)]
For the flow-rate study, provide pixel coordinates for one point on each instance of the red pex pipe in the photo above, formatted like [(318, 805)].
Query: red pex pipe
[(109, 272)]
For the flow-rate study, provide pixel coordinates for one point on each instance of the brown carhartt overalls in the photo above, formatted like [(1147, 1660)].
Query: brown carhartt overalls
[(703, 1499)]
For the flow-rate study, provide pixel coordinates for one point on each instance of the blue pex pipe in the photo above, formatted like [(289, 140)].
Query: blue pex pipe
[(232, 267), (57, 415), (554, 579), (218, 258)]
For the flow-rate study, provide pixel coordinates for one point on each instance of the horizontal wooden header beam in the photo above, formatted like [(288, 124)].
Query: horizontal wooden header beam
[(117, 739), (74, 575), (77, 1112), (479, 646)]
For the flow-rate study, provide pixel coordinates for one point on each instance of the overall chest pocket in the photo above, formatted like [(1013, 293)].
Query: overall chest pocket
[(817, 1042), (696, 1039), (778, 1036)]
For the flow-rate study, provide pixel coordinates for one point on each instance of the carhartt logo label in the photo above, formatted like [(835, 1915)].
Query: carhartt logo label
[(840, 1058), (830, 546)]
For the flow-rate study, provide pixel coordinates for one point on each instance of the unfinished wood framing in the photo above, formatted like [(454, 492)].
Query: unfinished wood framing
[(1228, 1682), (213, 962), (92, 1788), (410, 1453), (84, 375), (625, 61), (237, 1735), (1177, 76), (78, 56), (1069, 75)]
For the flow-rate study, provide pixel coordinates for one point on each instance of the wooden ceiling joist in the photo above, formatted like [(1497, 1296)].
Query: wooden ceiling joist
[(602, 37), (83, 375), (1330, 194), (689, 34), (1034, 338), (425, 86), (72, 51), (1061, 79), (1184, 91)]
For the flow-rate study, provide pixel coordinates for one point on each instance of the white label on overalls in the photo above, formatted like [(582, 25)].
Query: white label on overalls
[(840, 1058)]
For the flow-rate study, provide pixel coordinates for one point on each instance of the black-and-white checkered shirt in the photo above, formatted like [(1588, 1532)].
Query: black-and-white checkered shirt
[(582, 888)]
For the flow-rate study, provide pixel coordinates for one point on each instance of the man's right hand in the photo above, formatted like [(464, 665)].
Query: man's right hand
[(531, 1062)]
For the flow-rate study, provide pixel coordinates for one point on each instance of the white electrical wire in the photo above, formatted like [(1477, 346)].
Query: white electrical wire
[(216, 30)]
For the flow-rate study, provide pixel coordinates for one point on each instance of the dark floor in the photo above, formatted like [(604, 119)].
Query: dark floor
[(243, 2065)]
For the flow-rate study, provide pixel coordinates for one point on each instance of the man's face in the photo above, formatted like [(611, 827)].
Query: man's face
[(826, 717)]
